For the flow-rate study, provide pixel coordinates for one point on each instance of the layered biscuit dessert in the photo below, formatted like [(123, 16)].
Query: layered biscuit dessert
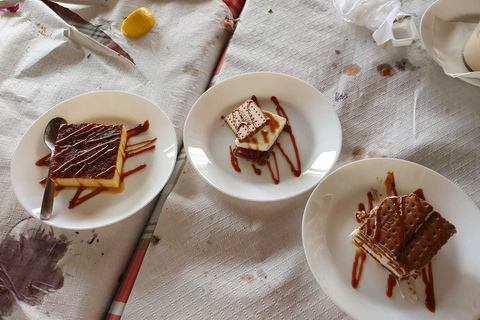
[(88, 155), (256, 131), (402, 234)]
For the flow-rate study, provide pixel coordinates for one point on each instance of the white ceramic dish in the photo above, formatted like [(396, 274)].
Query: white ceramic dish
[(106, 107), (451, 10), (329, 219), (314, 122)]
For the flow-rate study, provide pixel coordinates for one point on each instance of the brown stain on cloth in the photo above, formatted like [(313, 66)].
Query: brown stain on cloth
[(385, 70), (29, 267), (351, 69)]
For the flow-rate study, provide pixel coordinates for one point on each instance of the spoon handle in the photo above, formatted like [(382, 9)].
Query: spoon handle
[(47, 202)]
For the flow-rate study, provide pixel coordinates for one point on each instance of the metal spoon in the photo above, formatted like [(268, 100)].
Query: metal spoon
[(50, 136)]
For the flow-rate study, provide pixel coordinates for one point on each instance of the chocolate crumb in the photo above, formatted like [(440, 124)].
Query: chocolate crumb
[(338, 51), (102, 253), (77, 232)]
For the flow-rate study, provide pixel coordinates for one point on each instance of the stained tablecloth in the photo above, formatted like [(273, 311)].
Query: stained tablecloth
[(50, 273), (222, 258)]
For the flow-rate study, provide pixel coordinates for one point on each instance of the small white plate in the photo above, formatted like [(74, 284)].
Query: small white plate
[(314, 122), (450, 10), (106, 107), (329, 219)]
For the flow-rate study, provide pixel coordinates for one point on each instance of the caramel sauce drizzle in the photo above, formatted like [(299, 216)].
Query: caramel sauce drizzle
[(254, 98), (78, 200), (135, 131), (234, 161), (429, 289), (130, 172), (275, 180), (390, 185), (401, 223), (370, 201), (419, 193), (274, 124), (357, 274), (43, 162), (257, 171), (281, 112), (266, 139), (390, 284)]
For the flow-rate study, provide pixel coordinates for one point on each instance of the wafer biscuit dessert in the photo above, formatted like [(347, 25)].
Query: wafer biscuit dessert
[(88, 155), (256, 131), (402, 234)]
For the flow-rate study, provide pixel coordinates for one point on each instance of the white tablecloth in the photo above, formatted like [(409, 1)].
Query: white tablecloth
[(43, 62), (222, 258)]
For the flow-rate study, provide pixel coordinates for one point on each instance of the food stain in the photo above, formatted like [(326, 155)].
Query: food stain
[(385, 70), (29, 266), (351, 69), (358, 153), (340, 96), (405, 64)]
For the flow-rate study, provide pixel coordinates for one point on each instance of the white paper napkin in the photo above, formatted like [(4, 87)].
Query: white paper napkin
[(449, 40)]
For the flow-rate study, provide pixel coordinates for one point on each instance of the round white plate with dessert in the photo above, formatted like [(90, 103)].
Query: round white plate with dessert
[(103, 127), (449, 10), (443, 236), (262, 136)]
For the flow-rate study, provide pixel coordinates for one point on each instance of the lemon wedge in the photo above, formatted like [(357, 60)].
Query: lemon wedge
[(138, 22)]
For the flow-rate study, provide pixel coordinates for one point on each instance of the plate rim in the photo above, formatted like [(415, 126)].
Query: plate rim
[(337, 120), (51, 110), (309, 262)]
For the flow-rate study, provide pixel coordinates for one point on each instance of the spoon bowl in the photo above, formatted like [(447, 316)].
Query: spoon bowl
[(50, 137)]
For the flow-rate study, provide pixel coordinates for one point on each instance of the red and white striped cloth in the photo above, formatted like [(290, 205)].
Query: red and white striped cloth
[(118, 305)]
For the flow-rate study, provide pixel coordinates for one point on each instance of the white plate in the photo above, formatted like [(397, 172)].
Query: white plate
[(451, 10), (107, 107), (314, 122), (329, 219)]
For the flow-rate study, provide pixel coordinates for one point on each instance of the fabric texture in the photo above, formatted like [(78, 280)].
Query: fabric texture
[(219, 257), (44, 61)]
